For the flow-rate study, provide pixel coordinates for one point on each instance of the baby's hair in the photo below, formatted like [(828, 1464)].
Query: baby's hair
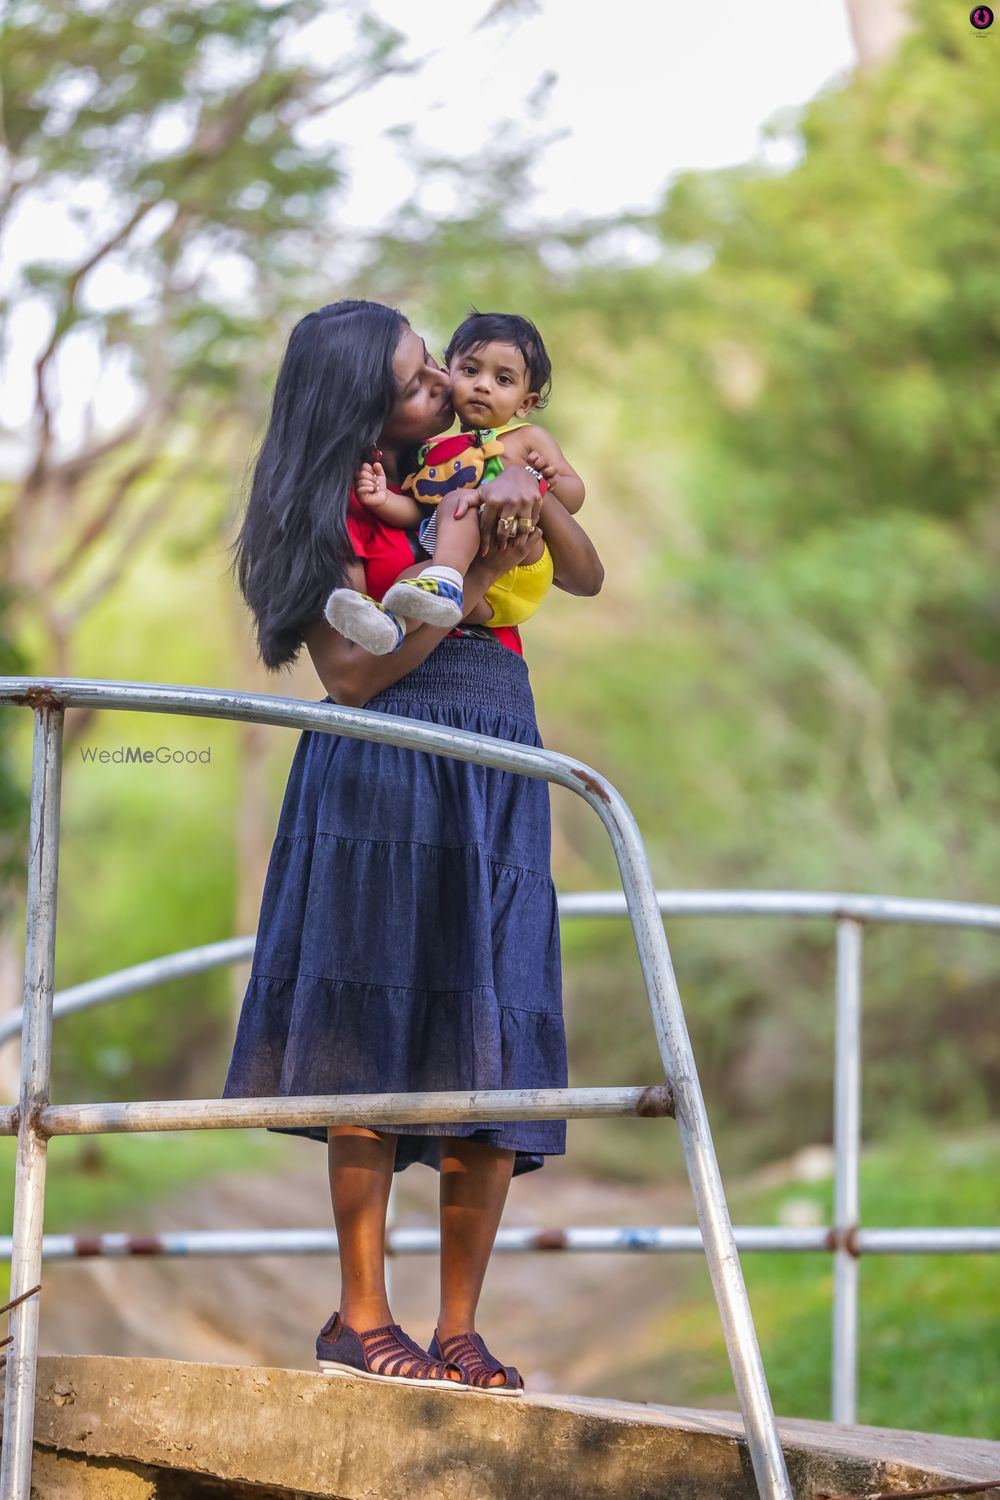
[(506, 328)]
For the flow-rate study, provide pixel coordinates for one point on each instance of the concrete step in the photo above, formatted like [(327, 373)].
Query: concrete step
[(134, 1429)]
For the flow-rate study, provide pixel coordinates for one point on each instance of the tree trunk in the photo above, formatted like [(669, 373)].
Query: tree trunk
[(877, 28)]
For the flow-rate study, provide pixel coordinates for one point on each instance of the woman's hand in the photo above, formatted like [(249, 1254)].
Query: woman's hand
[(508, 505), (485, 569)]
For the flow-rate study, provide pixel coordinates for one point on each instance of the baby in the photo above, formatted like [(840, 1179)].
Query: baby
[(500, 373)]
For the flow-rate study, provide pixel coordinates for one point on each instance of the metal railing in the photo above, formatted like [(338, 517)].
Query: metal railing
[(843, 1238), (35, 1120)]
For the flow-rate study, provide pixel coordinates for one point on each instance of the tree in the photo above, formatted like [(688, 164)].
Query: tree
[(878, 27), (187, 122), (173, 134), (787, 423), (815, 679), (184, 128)]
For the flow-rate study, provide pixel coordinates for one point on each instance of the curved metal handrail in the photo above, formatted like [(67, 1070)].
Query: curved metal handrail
[(702, 903), (48, 698), (646, 907)]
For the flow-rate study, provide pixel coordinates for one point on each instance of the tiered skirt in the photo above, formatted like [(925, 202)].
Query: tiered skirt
[(409, 936)]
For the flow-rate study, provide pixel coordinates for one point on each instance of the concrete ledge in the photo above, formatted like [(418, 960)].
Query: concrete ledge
[(254, 1431), (69, 1476)]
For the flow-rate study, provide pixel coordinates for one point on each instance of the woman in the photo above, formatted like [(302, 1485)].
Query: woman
[(408, 937)]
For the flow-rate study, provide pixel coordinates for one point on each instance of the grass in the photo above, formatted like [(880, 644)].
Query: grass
[(929, 1326)]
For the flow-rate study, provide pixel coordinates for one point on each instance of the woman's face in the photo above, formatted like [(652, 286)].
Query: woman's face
[(423, 403)]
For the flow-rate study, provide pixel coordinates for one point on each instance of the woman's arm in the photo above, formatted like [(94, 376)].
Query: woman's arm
[(578, 569), (352, 675)]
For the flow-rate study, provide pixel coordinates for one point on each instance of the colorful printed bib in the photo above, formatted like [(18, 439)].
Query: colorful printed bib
[(457, 463)]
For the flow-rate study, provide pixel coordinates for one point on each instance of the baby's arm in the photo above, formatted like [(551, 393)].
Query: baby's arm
[(373, 492), (533, 445)]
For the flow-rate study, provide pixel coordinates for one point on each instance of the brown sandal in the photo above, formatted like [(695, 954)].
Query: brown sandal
[(343, 1351), (477, 1363)]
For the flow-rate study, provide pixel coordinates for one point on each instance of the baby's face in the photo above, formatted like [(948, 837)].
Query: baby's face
[(490, 386)]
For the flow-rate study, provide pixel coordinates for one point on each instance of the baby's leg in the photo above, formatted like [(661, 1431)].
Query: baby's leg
[(423, 593), (362, 619), (457, 540), (432, 592)]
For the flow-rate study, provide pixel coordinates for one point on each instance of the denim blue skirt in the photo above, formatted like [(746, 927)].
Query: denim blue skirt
[(409, 936)]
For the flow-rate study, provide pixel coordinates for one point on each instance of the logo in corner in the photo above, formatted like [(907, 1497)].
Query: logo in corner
[(981, 17)]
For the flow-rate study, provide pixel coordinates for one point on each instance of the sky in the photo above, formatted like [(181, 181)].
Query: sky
[(671, 88), (664, 90)]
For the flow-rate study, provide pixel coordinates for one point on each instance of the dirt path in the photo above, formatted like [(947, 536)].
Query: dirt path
[(590, 1323)]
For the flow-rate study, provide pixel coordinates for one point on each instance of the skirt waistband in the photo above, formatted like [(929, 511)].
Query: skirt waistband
[(467, 672)]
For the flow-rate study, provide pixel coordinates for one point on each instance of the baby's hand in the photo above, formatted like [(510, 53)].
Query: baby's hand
[(370, 485), (545, 467), (467, 500)]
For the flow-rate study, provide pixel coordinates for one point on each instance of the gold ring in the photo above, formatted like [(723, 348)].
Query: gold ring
[(525, 526), (507, 522)]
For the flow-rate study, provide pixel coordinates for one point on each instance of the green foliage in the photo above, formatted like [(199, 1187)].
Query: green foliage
[(189, 117), (787, 421), (147, 856), (929, 1356), (781, 390), (176, 134)]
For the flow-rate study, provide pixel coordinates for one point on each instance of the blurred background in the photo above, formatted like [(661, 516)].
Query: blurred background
[(763, 250)]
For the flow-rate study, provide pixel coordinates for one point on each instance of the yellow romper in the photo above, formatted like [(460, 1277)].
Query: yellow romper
[(462, 462)]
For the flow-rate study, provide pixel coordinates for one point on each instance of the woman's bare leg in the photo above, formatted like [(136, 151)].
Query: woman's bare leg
[(361, 1164), (474, 1182)]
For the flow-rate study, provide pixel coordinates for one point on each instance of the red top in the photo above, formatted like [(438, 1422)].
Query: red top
[(387, 550)]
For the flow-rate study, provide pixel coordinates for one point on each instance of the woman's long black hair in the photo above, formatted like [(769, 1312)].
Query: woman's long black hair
[(333, 394)]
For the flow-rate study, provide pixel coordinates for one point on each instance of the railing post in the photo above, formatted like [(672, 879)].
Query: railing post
[(696, 1141), (36, 1058), (847, 1148)]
